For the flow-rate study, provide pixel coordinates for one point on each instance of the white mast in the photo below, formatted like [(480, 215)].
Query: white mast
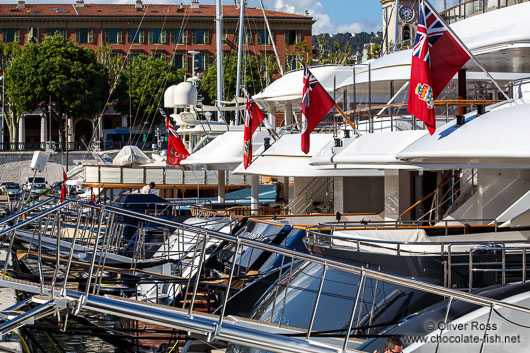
[(239, 55), (219, 49)]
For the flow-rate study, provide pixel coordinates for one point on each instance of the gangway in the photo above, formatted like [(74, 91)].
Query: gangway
[(218, 327)]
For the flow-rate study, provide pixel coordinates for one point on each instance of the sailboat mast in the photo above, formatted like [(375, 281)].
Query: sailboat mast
[(219, 49), (239, 56)]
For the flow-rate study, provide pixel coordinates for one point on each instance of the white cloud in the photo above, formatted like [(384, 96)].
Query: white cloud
[(352, 27), (323, 23)]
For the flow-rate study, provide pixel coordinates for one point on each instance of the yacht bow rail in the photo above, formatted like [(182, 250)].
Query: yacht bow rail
[(261, 335)]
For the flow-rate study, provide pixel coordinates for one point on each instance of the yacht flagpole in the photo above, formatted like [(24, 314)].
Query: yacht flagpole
[(239, 55), (475, 60)]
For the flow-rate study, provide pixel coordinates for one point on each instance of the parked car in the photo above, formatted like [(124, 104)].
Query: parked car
[(37, 185), (12, 189)]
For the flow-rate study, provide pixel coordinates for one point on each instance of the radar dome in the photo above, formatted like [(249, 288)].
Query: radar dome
[(185, 94), (169, 94)]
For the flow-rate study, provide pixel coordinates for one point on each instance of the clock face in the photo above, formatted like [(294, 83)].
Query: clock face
[(406, 13)]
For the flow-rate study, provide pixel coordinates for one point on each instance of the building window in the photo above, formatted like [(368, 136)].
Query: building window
[(225, 36), (247, 38), (136, 36), (263, 37), (84, 36), (159, 56), (290, 62), (11, 35), (54, 31), (406, 33), (33, 34), (293, 37), (179, 36), (200, 36), (201, 62), (181, 61), (113, 36), (157, 36)]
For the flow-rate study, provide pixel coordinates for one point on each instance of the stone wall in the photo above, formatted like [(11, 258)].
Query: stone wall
[(15, 167)]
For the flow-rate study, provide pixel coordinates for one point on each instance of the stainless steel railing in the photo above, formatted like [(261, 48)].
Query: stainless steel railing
[(221, 327)]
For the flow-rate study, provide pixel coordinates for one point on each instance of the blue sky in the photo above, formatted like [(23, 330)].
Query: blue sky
[(331, 16)]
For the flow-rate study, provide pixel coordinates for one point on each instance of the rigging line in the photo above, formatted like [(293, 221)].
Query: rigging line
[(149, 74), (227, 88), (119, 72), (168, 70), (255, 53), (177, 41)]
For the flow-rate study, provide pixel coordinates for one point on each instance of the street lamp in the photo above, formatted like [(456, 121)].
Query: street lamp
[(193, 53)]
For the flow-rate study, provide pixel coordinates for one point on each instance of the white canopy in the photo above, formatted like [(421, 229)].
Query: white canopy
[(225, 152), (289, 86), (285, 158), (497, 138), (371, 150)]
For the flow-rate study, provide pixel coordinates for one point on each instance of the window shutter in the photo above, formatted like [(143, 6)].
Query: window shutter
[(193, 36), (173, 36), (120, 36), (129, 36), (30, 33), (151, 36), (184, 39), (163, 36), (286, 34), (17, 35), (77, 35), (141, 36), (206, 36), (90, 35), (298, 37), (185, 62), (107, 36), (163, 57)]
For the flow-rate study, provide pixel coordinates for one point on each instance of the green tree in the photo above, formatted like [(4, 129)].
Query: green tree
[(113, 63), (57, 69), (8, 51), (256, 73), (146, 79), (374, 51)]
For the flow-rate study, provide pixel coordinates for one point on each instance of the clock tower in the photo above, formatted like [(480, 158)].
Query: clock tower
[(400, 19)]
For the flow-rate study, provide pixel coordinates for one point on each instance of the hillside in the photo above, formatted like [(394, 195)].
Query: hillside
[(356, 41)]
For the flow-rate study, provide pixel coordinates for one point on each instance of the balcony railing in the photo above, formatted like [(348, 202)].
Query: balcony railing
[(465, 9)]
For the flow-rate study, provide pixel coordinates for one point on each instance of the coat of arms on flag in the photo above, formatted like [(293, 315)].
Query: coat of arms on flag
[(436, 58)]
